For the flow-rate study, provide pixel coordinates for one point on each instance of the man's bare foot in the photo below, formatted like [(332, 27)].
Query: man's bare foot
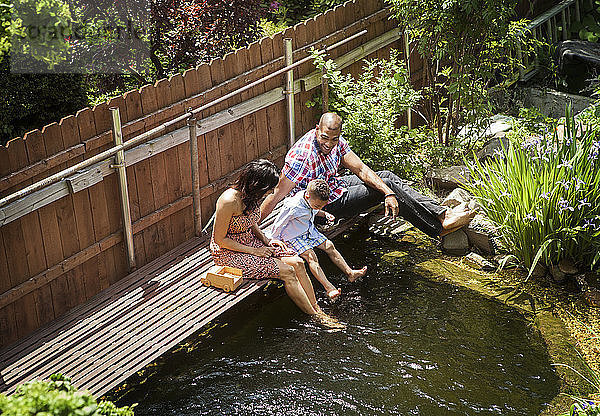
[(357, 274), (333, 294), (453, 219)]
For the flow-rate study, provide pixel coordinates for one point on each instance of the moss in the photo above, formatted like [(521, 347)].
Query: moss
[(560, 344)]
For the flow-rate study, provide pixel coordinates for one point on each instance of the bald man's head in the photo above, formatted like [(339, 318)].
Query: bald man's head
[(331, 121), (328, 132)]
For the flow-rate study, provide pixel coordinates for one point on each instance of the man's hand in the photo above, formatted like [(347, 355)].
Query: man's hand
[(391, 206)]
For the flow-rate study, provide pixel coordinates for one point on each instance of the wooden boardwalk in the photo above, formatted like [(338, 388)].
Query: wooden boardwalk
[(101, 343)]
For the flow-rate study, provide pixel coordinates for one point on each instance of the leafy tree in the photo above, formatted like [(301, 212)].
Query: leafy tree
[(189, 32), (371, 106), (465, 45), (57, 396)]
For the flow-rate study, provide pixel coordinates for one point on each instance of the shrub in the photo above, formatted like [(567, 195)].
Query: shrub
[(370, 107), (56, 397), (544, 194)]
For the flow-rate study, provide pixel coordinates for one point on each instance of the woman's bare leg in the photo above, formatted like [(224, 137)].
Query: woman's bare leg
[(298, 264), (294, 289)]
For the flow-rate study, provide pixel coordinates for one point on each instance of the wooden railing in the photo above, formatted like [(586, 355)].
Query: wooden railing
[(548, 28)]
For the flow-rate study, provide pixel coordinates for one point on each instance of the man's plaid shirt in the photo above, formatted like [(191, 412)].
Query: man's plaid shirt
[(304, 162)]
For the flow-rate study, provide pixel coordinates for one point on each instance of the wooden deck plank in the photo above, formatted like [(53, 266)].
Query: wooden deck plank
[(104, 341)]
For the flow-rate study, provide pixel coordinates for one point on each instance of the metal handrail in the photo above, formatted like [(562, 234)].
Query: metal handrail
[(146, 135)]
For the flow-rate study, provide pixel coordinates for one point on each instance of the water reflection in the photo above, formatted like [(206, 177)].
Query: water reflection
[(411, 346)]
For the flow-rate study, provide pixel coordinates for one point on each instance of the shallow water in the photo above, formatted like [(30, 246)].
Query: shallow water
[(411, 347)]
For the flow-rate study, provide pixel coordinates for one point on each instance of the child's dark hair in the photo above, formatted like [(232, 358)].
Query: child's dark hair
[(319, 189), (257, 178)]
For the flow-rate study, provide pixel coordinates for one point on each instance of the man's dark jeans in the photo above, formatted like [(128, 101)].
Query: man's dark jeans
[(419, 210)]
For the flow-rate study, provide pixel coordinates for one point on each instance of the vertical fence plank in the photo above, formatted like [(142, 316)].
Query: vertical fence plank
[(158, 170), (234, 64), (8, 327), (36, 263), (173, 179), (86, 124), (26, 314), (67, 225), (260, 117), (101, 230), (224, 139)]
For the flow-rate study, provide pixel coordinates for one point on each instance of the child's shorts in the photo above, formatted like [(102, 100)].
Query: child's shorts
[(306, 241)]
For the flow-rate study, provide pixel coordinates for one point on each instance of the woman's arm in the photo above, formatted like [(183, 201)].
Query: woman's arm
[(226, 206), (260, 235)]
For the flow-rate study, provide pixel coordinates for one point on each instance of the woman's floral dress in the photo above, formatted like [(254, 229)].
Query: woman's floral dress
[(240, 230)]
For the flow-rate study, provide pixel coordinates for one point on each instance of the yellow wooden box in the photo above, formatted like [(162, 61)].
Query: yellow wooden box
[(223, 277)]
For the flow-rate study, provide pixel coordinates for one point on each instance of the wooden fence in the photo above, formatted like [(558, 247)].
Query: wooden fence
[(62, 245)]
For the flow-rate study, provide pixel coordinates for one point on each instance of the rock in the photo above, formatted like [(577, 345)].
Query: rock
[(592, 297), (496, 144), (507, 261), (497, 124), (457, 197), (480, 233), (456, 243), (567, 267), (557, 275), (539, 270), (448, 178), (478, 262)]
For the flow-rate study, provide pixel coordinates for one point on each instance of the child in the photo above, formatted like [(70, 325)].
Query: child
[(295, 226)]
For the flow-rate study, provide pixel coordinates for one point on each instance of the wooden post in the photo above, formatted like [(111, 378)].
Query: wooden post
[(325, 91), (563, 16), (122, 173), (195, 176), (577, 11), (549, 28), (289, 91)]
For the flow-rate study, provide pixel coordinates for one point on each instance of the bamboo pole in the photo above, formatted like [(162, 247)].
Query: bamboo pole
[(289, 90), (325, 91), (192, 124), (122, 173), (577, 11)]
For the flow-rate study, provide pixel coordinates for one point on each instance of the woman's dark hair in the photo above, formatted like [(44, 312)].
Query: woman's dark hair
[(257, 178)]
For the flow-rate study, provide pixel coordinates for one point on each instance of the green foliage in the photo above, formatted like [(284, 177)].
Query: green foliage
[(544, 194), (290, 12), (588, 28), (270, 28), (33, 28), (57, 397), (464, 44), (29, 101), (370, 107)]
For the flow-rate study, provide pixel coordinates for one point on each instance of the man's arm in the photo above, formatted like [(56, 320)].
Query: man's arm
[(369, 177), (283, 188)]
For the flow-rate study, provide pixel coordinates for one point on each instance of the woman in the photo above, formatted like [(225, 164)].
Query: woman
[(237, 240)]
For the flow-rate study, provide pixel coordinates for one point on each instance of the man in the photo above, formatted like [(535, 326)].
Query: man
[(318, 155)]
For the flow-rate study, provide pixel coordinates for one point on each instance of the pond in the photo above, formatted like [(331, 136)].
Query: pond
[(411, 347)]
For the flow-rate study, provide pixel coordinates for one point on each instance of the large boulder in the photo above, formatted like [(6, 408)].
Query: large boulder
[(498, 143), (448, 178), (455, 243)]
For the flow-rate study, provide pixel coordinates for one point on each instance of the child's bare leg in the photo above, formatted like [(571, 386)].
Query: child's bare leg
[(337, 259), (313, 264)]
